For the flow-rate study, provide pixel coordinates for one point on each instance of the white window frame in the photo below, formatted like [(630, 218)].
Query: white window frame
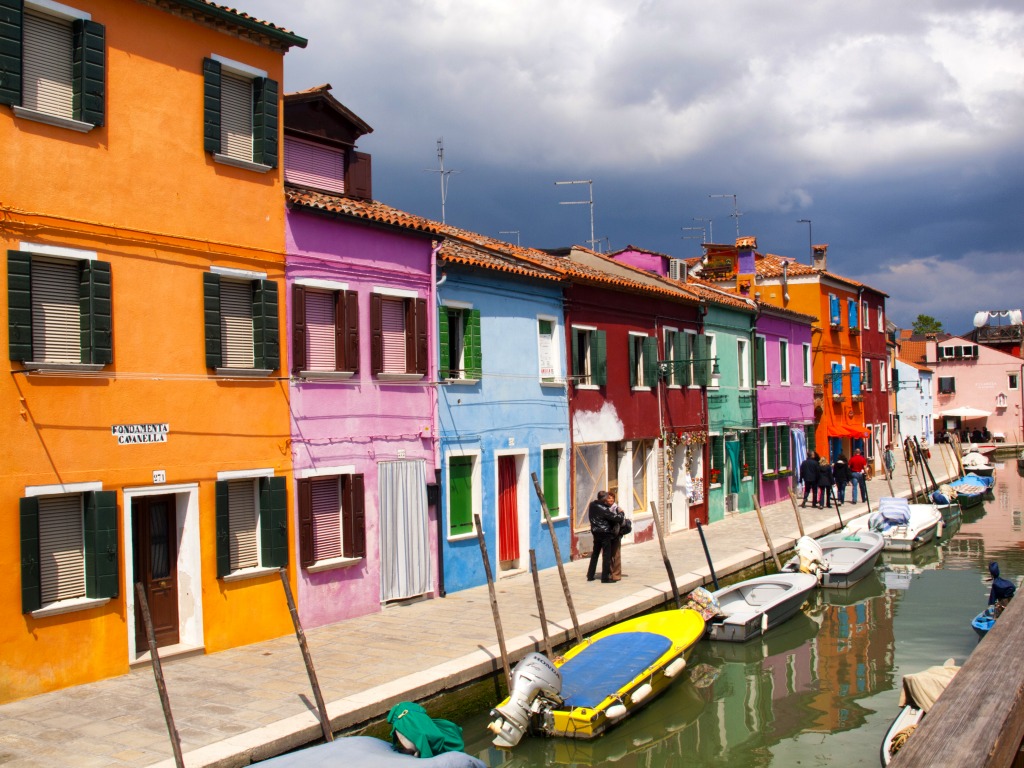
[(238, 69), (784, 362), (806, 363), (743, 361), (765, 339), (650, 472), (765, 468), (883, 370), (636, 339), (586, 364), (556, 379), (252, 475), (694, 384), (476, 492), (881, 319), (667, 333), (865, 310), (457, 368), (1013, 380), (712, 352)]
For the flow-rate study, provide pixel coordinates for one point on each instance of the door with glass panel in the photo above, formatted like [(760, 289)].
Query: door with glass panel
[(155, 546)]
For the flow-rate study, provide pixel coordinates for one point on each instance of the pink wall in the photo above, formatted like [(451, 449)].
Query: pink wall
[(357, 422)]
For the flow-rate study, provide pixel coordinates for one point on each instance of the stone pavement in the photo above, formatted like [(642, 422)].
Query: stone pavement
[(249, 703)]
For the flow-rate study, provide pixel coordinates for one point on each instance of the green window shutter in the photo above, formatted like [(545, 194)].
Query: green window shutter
[(223, 530), (771, 434), (304, 488), (211, 107), (717, 452), (87, 72), (761, 359), (19, 302), (784, 447), (810, 436), (264, 121), (474, 352), (550, 471), (460, 495), (700, 357), (211, 319), (444, 363), (97, 320), (273, 522), (265, 328), (598, 358), (31, 584), (11, 15), (632, 361), (100, 531), (651, 361), (685, 355), (576, 372)]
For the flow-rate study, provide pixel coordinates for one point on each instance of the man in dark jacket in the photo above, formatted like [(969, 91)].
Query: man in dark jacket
[(825, 481), (841, 474), (1002, 589), (809, 477), (605, 519)]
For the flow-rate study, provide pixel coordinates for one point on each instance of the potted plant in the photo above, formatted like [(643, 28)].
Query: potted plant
[(716, 475)]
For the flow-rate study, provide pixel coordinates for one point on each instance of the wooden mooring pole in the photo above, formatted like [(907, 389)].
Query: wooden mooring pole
[(494, 600), (558, 558), (796, 511), (707, 554), (307, 658), (767, 538), (158, 673), (664, 556), (540, 605)]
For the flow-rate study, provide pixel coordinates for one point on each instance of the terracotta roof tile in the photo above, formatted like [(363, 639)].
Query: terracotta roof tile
[(913, 351), (281, 36)]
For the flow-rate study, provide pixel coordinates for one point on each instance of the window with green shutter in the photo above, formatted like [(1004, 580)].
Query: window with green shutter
[(589, 357), (748, 445), (761, 360), (251, 524), (241, 323), (770, 449), (460, 495), (716, 445), (69, 548), (552, 487), (52, 65), (240, 115), (60, 310), (643, 361), (460, 344), (810, 431), (784, 448)]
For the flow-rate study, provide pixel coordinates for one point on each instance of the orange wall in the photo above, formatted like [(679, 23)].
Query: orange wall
[(142, 193)]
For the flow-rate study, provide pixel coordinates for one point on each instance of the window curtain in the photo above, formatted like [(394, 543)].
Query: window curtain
[(508, 513), (404, 532), (799, 452), (732, 450)]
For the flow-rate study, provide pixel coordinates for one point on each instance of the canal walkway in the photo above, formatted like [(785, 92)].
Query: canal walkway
[(249, 703)]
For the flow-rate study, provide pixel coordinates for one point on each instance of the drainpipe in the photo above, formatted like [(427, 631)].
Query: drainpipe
[(433, 300), (753, 345)]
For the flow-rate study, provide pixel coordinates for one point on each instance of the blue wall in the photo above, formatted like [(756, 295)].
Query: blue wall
[(506, 411)]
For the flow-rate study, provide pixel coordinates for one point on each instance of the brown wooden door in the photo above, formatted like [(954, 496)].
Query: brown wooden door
[(155, 536)]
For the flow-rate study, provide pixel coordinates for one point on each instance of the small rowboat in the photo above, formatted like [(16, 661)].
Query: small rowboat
[(920, 690), (754, 606), (983, 622), (971, 489), (904, 526), (599, 682)]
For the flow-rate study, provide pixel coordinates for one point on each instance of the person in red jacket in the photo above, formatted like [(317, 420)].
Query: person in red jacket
[(857, 466)]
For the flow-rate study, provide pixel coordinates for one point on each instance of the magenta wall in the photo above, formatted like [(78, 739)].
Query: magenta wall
[(778, 403), (359, 421)]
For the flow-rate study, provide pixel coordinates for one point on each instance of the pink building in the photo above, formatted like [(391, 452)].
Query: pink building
[(972, 376)]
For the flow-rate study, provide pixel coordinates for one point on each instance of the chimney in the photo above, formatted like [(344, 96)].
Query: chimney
[(819, 255), (746, 264)]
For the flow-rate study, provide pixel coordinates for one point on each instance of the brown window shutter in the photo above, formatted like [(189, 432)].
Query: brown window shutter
[(376, 334), (353, 517), (347, 330), (358, 179), (306, 554), (421, 336), (298, 328), (411, 365)]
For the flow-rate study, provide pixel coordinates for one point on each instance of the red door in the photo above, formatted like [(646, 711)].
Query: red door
[(155, 537), (508, 511)]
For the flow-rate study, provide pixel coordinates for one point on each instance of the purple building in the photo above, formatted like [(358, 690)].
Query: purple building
[(360, 279), (785, 397)]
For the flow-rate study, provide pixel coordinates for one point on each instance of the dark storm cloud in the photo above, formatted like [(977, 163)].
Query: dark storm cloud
[(893, 126)]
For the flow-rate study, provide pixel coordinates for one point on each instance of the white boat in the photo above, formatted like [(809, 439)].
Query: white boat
[(754, 606), (839, 561), (367, 752), (903, 526), (977, 464), (918, 695)]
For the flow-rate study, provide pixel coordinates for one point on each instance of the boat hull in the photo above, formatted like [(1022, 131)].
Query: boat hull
[(908, 716), (913, 539), (849, 561), (586, 715), (753, 607), (982, 623)]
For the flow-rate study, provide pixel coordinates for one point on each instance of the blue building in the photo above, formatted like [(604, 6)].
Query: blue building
[(502, 407)]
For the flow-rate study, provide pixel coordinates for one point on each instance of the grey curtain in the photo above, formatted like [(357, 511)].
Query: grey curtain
[(404, 530)]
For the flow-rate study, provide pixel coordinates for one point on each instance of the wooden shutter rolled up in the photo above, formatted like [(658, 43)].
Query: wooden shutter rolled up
[(236, 116), (46, 65)]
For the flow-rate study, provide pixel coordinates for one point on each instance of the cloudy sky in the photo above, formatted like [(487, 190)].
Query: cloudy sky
[(894, 127)]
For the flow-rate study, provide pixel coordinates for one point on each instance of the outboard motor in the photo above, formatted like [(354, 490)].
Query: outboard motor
[(536, 684), (812, 559)]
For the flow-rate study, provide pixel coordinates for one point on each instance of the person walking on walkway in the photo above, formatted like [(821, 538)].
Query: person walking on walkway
[(841, 474), (857, 466), (809, 477), (825, 481), (605, 519), (889, 458)]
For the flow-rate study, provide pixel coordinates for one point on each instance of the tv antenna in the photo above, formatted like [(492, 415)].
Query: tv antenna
[(511, 232), (444, 175), (590, 184), (735, 211)]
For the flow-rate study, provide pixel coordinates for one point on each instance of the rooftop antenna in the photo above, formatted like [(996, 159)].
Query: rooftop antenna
[(735, 211), (711, 228), (590, 183), (444, 175), (511, 232), (700, 237)]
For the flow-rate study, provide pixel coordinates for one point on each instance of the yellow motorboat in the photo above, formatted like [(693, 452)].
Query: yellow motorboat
[(599, 682)]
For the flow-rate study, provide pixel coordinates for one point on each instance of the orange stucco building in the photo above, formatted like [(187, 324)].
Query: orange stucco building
[(145, 419), (845, 377)]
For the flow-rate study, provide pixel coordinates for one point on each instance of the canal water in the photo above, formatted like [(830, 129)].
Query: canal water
[(822, 689)]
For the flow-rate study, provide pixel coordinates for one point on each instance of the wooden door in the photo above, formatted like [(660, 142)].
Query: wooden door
[(155, 537)]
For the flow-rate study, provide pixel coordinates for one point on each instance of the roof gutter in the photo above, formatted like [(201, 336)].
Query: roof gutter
[(280, 35)]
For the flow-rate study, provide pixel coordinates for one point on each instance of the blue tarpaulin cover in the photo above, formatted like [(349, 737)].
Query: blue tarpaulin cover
[(606, 666)]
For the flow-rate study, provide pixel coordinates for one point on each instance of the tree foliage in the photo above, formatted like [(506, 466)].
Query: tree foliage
[(927, 324)]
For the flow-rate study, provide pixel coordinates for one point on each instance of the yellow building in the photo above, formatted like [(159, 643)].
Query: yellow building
[(145, 416)]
